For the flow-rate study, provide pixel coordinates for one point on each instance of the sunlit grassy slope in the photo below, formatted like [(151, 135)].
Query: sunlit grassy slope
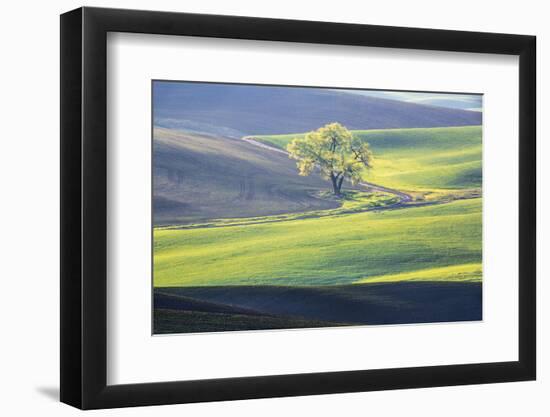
[(418, 159), (457, 273), (403, 244)]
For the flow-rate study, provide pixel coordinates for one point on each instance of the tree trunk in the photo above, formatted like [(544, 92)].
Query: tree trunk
[(335, 187), (336, 184), (340, 181)]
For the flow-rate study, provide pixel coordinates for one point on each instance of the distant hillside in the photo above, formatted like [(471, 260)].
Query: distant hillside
[(201, 177), (471, 101), (237, 110)]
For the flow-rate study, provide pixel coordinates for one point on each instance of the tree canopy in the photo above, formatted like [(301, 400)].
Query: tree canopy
[(334, 151)]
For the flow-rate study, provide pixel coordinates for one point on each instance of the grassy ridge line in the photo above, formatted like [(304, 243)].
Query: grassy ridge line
[(455, 273), (321, 251), (424, 159)]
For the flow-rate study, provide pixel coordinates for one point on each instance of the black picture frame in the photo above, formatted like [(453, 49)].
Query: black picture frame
[(84, 208)]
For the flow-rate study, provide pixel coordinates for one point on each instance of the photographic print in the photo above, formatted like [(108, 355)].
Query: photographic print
[(286, 207)]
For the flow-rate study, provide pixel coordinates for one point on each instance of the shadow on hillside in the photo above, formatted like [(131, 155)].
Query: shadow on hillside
[(225, 308)]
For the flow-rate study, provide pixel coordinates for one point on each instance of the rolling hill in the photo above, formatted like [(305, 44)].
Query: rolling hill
[(421, 242), (202, 177), (234, 110), (410, 265), (203, 309), (428, 159)]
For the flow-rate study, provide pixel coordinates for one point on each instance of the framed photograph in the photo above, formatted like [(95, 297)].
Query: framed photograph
[(258, 208)]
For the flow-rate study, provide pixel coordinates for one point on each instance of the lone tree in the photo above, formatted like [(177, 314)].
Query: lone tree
[(335, 151)]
